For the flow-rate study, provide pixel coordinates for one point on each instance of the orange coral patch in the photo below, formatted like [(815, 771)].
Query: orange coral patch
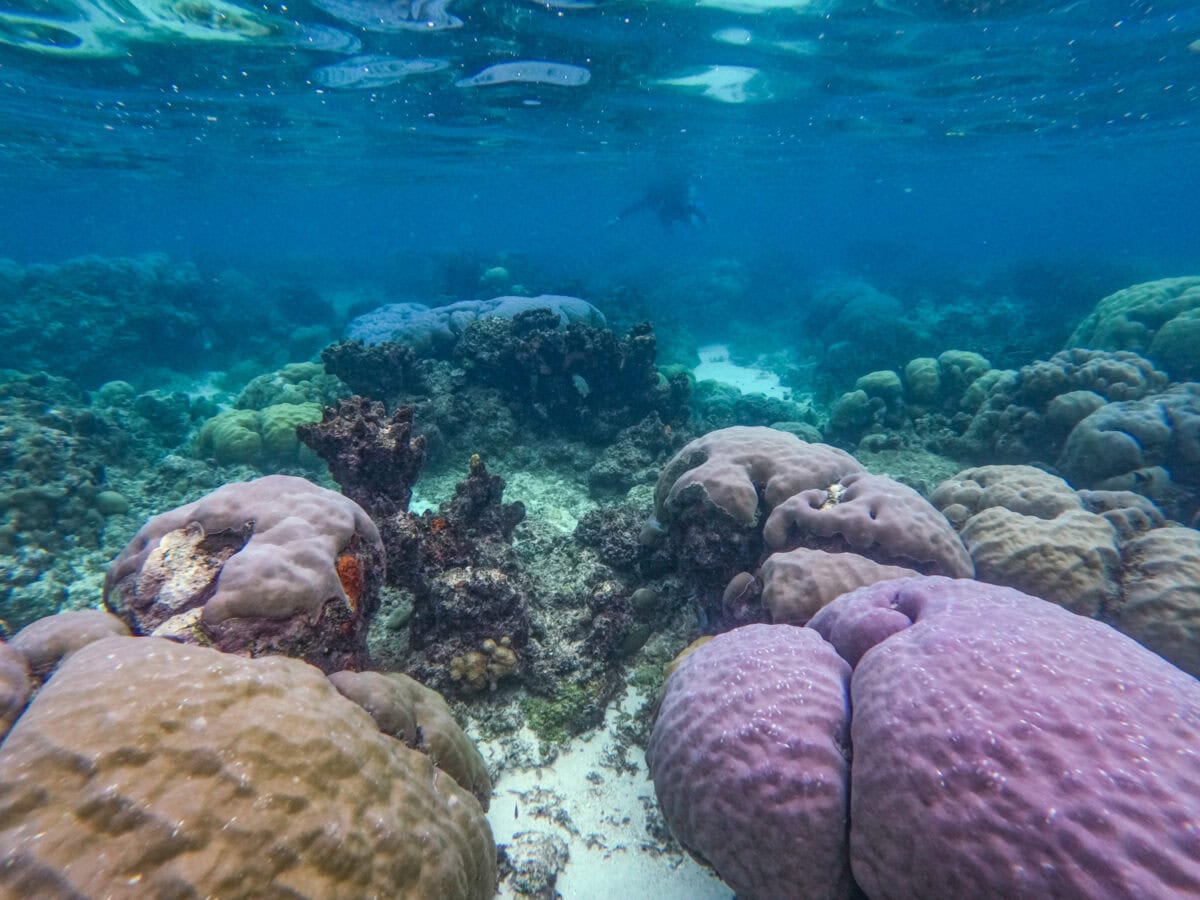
[(350, 574)]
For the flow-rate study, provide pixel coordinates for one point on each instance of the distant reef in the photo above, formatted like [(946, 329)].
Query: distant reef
[(94, 319)]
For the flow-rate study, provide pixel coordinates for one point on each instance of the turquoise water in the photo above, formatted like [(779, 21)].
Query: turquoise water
[(959, 132)]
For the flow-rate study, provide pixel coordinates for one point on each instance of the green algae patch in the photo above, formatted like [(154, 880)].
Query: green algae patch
[(572, 711)]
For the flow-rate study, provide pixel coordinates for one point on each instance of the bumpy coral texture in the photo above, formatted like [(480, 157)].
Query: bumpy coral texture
[(1026, 416), (1160, 596), (799, 582), (1004, 747), (749, 757), (1149, 318), (46, 642), (150, 769), (253, 568), (1027, 529), (14, 686), (728, 466), (418, 716), (1104, 554), (426, 328), (1123, 438), (874, 516)]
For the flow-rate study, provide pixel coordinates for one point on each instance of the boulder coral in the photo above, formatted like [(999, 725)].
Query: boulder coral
[(873, 516), (1027, 529), (1160, 594), (274, 565), (999, 746), (258, 437), (713, 495), (1027, 415), (407, 710), (148, 768), (436, 329), (14, 686), (1110, 555), (746, 499), (750, 759), (48, 641), (1120, 445), (1158, 319)]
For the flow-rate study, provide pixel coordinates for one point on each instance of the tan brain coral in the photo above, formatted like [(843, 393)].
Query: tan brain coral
[(419, 716), (1027, 529), (1160, 597), (146, 768), (1104, 554)]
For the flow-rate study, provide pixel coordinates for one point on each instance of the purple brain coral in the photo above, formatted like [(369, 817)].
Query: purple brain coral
[(805, 517), (1001, 747), (750, 760)]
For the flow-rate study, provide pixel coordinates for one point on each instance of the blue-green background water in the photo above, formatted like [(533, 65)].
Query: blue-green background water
[(874, 136)]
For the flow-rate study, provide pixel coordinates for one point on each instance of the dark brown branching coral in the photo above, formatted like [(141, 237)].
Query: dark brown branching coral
[(372, 456)]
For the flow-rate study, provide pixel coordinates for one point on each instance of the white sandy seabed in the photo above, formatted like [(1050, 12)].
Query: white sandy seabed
[(716, 365), (606, 814)]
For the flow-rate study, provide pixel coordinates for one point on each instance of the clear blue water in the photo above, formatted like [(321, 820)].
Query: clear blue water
[(871, 135)]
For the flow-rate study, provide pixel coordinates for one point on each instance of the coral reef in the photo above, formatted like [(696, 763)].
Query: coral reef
[(470, 599), (1158, 319), (295, 383), (264, 438), (513, 375), (435, 330), (380, 371), (1027, 529), (203, 773), (1026, 416), (275, 565), (75, 473), (469, 621), (715, 405), (633, 457), (1160, 594), (579, 380), (1150, 445), (373, 457), (94, 319), (860, 328), (750, 757), (939, 685), (1110, 555), (729, 499)]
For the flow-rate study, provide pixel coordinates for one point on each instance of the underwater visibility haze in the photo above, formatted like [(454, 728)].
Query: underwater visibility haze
[(583, 448)]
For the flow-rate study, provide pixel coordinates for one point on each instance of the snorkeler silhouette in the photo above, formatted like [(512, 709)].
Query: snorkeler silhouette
[(671, 200)]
